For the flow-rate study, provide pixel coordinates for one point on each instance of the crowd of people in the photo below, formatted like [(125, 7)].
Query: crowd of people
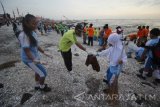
[(145, 45)]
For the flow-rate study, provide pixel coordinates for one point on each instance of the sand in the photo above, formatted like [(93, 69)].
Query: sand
[(83, 88)]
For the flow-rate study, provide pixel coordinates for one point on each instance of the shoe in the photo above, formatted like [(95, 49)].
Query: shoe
[(104, 80), (157, 80), (141, 77), (149, 74), (71, 72), (1, 85), (141, 70), (37, 88), (45, 89), (106, 91)]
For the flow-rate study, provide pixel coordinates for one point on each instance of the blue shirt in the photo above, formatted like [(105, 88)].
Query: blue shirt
[(152, 42), (25, 43)]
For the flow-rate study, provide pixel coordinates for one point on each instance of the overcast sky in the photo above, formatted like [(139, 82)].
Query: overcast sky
[(86, 9)]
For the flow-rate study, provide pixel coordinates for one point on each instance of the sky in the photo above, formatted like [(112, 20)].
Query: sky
[(85, 9)]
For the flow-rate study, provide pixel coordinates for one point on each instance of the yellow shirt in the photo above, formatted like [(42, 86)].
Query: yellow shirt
[(68, 39)]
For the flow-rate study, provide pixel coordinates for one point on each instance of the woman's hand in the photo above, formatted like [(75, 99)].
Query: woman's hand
[(44, 62), (120, 62), (40, 62), (36, 61)]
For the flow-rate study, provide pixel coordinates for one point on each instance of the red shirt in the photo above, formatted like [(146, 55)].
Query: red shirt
[(140, 33), (107, 32), (90, 32)]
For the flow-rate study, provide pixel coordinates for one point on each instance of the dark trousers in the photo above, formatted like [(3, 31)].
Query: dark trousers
[(105, 41), (67, 57), (90, 40), (84, 38)]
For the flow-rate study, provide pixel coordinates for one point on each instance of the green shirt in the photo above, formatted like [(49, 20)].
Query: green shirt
[(68, 39)]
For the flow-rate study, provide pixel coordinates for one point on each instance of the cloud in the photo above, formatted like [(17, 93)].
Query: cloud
[(85, 8), (147, 2)]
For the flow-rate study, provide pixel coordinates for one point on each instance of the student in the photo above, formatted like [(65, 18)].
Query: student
[(84, 34), (147, 31), (117, 57), (95, 34), (68, 39), (132, 37), (149, 64), (107, 32), (101, 34), (41, 28), (16, 29), (29, 51), (133, 48), (98, 32), (144, 38), (143, 30), (140, 35), (45, 28), (90, 34)]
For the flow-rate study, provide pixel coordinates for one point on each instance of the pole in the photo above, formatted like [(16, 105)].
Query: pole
[(18, 12), (3, 8), (14, 15), (3, 11), (5, 17)]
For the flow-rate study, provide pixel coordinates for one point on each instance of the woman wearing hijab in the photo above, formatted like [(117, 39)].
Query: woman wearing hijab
[(117, 57)]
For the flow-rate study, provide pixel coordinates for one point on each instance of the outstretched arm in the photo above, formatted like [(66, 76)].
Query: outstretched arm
[(80, 46), (42, 51)]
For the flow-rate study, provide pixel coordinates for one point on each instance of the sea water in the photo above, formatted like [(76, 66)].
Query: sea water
[(128, 25)]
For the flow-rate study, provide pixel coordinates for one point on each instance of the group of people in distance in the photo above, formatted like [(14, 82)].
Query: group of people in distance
[(113, 48)]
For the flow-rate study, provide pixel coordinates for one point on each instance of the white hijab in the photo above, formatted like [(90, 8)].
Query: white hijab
[(116, 50)]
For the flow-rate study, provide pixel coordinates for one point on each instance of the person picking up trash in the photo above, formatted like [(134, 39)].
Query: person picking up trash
[(117, 57), (68, 39)]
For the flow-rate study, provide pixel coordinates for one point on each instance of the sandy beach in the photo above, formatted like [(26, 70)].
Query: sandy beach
[(68, 90)]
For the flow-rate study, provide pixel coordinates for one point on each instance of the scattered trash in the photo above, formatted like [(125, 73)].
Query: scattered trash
[(8, 64), (1, 85), (76, 54), (25, 97), (140, 99)]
